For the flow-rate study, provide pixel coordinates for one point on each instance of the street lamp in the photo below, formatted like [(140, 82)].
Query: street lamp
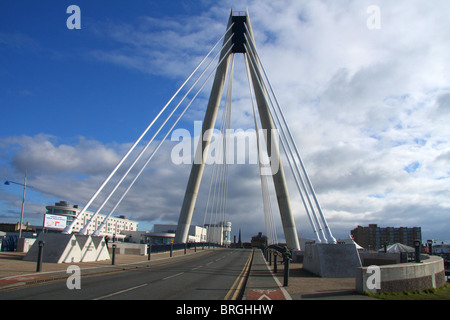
[(24, 184)]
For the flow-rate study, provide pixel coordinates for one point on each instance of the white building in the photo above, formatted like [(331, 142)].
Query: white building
[(64, 213), (219, 233), (165, 234)]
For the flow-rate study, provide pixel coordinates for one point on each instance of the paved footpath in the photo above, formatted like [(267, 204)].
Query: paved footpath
[(263, 284)]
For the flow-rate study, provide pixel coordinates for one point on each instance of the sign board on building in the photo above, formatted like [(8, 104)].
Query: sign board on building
[(52, 221)]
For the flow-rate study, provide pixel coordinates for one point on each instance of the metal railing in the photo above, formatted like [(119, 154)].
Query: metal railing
[(284, 256)]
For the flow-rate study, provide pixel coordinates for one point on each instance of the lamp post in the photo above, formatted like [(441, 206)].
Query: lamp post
[(24, 184)]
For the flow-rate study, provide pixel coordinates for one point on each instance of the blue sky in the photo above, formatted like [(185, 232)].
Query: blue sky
[(52, 77), (368, 108)]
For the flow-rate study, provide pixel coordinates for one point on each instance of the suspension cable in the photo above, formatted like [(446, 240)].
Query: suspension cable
[(288, 153), (219, 176), (327, 229), (69, 228), (267, 205), (301, 186), (297, 175), (85, 228), (97, 232)]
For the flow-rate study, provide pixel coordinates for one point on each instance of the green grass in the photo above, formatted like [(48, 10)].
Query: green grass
[(443, 293)]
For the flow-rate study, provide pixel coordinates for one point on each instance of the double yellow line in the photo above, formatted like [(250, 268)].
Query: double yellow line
[(237, 287)]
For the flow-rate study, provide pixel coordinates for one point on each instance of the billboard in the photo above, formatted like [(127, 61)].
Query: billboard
[(52, 221)]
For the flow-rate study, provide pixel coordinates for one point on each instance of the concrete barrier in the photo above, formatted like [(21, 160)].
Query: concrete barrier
[(331, 260), (68, 248), (429, 273), (129, 248), (24, 244)]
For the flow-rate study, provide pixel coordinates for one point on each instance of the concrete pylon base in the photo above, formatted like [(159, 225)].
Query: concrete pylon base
[(68, 248), (331, 260)]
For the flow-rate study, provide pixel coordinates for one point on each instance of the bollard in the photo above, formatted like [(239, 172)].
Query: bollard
[(417, 246), (270, 257), (40, 256), (185, 248), (149, 251), (430, 247), (171, 249), (275, 262), (286, 272), (195, 247), (113, 259)]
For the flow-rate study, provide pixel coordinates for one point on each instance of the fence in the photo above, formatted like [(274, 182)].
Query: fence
[(9, 243)]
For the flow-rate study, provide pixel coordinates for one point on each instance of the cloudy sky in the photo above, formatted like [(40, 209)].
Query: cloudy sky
[(368, 102)]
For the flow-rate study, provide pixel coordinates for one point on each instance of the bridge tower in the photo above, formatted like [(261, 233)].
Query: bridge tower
[(240, 32), (238, 38)]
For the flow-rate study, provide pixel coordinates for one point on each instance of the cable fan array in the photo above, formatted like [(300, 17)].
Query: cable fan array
[(216, 205), (304, 185), (84, 230), (218, 188)]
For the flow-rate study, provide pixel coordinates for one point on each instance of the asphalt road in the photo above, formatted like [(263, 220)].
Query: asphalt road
[(204, 277)]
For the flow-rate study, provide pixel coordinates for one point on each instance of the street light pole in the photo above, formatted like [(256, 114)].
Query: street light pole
[(24, 184)]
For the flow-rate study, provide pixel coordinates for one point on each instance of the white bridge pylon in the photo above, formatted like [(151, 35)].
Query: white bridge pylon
[(242, 41), (238, 38)]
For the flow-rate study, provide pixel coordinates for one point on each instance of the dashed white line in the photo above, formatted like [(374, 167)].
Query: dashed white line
[(121, 291), (173, 276), (196, 268)]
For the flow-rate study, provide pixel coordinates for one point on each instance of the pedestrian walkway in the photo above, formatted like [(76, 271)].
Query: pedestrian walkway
[(263, 284)]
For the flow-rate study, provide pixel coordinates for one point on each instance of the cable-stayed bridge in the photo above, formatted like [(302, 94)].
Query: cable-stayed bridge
[(218, 65)]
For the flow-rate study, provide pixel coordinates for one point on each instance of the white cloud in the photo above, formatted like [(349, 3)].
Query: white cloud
[(363, 106)]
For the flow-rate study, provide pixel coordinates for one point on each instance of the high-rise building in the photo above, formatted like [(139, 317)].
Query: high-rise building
[(373, 237)]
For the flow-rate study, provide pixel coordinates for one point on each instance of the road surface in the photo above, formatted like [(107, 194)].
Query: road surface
[(200, 277)]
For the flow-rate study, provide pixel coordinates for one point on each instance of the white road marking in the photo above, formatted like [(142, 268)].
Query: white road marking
[(121, 291), (175, 275)]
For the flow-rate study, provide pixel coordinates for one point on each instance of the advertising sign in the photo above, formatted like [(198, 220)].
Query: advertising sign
[(54, 222)]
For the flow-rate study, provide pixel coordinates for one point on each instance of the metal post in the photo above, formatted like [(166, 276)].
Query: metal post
[(417, 245), (171, 249), (270, 257), (149, 251), (430, 247), (113, 259), (40, 256), (185, 248), (286, 272), (274, 262), (23, 205)]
